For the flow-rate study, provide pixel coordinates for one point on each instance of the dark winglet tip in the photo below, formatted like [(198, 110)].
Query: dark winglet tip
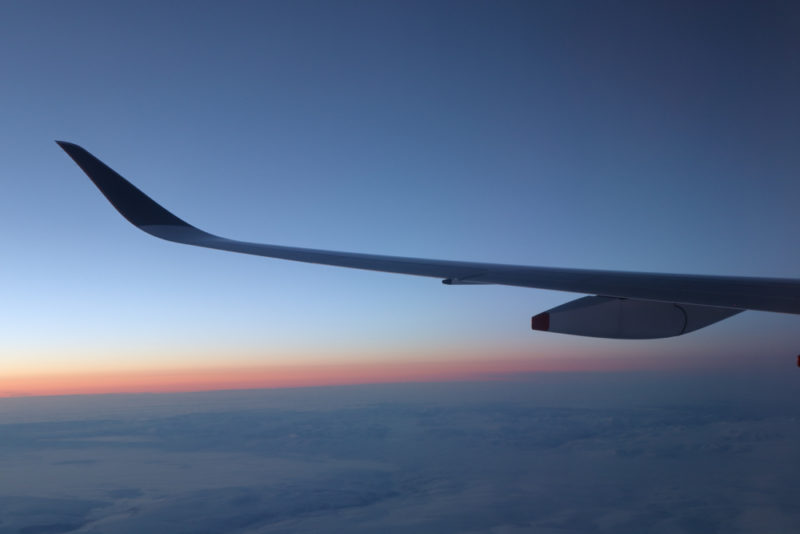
[(131, 202), (69, 148), (541, 322)]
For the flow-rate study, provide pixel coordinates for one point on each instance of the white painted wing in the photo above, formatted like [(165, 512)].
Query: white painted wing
[(732, 293)]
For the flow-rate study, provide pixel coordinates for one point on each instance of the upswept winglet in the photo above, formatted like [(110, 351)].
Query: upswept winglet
[(129, 200)]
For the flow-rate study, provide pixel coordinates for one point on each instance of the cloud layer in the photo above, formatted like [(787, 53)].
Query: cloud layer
[(552, 455)]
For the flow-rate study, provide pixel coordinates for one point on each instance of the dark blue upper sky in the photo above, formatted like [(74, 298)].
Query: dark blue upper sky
[(656, 136)]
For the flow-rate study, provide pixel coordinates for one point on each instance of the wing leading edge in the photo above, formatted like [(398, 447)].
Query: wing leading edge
[(727, 294)]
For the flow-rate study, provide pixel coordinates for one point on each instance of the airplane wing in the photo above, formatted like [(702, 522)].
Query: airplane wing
[(621, 305)]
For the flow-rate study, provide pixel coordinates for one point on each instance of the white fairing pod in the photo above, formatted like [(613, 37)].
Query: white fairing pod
[(617, 318)]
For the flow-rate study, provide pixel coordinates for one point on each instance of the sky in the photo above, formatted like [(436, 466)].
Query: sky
[(646, 136)]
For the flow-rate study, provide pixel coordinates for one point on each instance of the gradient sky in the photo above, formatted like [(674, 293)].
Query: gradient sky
[(652, 136)]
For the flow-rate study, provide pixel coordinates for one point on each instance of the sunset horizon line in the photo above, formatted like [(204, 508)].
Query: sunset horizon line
[(255, 377)]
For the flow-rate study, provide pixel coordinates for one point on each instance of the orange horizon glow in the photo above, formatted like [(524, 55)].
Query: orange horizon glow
[(186, 379)]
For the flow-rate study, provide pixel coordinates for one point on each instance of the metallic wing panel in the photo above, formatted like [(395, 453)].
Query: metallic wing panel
[(736, 293)]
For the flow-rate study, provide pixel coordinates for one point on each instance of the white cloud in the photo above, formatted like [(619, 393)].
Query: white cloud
[(484, 458)]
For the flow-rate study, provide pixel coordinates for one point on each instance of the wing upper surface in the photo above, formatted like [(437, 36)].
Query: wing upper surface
[(767, 294)]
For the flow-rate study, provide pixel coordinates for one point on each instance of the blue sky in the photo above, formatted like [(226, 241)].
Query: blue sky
[(619, 135)]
